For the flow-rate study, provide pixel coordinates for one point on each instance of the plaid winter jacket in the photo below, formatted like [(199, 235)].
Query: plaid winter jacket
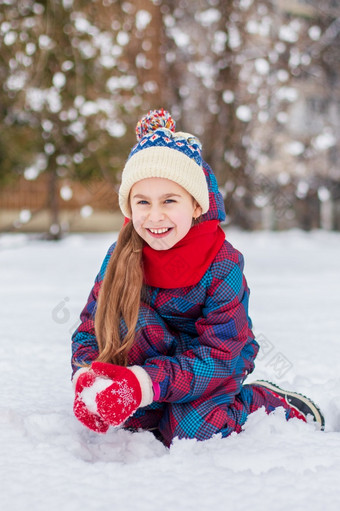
[(195, 342)]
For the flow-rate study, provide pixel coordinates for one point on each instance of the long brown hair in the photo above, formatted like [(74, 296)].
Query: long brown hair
[(119, 298)]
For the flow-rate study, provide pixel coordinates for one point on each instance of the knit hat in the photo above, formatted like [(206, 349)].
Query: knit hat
[(163, 152)]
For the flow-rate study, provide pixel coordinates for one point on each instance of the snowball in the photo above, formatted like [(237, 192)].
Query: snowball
[(88, 395), (243, 112)]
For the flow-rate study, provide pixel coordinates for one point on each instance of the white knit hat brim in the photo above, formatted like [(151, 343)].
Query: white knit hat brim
[(166, 163)]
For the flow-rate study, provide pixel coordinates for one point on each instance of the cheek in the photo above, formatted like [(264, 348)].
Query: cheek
[(184, 221), (136, 220)]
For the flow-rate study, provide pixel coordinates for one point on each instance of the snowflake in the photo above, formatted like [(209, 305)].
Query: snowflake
[(125, 394)]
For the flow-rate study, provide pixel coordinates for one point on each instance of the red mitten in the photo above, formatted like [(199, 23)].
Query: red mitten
[(120, 400), (89, 418)]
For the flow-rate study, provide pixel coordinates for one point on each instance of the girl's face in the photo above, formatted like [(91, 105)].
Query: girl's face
[(162, 211)]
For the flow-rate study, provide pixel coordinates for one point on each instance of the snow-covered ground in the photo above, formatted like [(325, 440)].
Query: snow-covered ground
[(49, 461)]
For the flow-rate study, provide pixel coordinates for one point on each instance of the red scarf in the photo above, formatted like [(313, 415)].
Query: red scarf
[(186, 262)]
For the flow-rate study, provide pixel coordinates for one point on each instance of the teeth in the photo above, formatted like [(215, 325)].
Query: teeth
[(159, 231)]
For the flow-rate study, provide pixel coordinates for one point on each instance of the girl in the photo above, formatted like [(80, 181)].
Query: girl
[(165, 341)]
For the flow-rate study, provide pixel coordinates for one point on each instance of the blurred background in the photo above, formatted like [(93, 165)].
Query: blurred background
[(257, 81)]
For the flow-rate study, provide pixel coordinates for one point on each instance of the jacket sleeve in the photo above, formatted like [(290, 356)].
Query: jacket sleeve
[(224, 347), (84, 343)]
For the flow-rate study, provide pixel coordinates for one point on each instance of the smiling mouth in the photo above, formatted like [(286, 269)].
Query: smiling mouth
[(158, 233)]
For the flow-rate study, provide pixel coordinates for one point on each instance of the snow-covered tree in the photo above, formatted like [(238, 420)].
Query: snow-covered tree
[(256, 81), (72, 88), (244, 70)]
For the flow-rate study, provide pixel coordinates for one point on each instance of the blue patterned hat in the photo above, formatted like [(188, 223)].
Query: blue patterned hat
[(163, 152)]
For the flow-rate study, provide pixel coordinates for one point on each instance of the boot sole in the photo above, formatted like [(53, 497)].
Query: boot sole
[(290, 396)]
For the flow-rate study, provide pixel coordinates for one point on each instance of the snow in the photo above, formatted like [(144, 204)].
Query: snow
[(324, 141), (244, 113), (143, 19), (25, 216), (86, 211), (228, 96), (45, 42), (50, 461), (66, 193), (59, 80), (208, 17), (288, 33), (314, 33), (262, 66), (295, 148), (88, 395)]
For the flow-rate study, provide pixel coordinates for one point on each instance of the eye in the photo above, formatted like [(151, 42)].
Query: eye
[(142, 202), (169, 201)]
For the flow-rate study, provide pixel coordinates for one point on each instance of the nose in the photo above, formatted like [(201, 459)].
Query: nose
[(156, 214)]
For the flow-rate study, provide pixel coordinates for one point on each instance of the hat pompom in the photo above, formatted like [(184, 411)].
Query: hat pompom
[(154, 120)]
